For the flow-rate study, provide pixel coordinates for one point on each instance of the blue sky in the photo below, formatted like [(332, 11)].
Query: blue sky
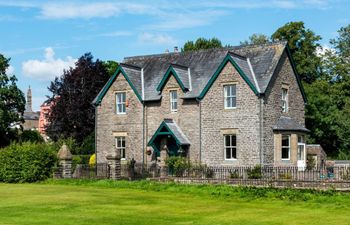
[(43, 37)]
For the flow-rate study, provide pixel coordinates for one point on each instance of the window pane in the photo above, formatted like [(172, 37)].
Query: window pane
[(228, 153), (285, 153), (233, 140), (227, 102), (300, 152), (233, 90), (285, 140), (227, 91), (124, 108), (123, 97), (123, 142), (227, 141), (234, 153), (234, 102)]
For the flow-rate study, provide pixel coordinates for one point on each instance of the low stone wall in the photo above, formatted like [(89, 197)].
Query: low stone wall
[(320, 185)]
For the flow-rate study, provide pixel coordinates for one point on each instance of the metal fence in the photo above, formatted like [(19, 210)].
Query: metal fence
[(85, 171), (267, 173), (264, 173)]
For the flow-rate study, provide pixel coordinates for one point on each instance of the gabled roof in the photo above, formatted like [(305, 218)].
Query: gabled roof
[(288, 124), (180, 73), (173, 130), (196, 71)]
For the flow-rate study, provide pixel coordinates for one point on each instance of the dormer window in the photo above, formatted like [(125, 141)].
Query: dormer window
[(121, 102), (230, 96), (173, 101), (284, 100)]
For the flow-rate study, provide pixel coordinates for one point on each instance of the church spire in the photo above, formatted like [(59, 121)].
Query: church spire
[(29, 100)]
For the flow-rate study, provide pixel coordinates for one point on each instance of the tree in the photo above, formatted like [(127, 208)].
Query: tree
[(256, 39), (111, 66), (303, 45), (201, 43), (72, 113), (12, 102), (328, 109)]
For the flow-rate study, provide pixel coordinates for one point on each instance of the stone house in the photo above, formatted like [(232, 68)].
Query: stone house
[(237, 106)]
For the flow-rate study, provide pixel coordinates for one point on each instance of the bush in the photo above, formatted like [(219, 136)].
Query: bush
[(31, 136), (255, 173), (87, 146), (26, 162), (177, 165)]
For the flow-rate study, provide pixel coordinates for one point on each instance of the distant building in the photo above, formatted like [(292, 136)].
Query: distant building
[(45, 110), (31, 118)]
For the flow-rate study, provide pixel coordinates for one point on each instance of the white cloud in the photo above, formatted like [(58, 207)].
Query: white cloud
[(48, 68), (320, 51), (156, 38), (10, 70), (86, 10)]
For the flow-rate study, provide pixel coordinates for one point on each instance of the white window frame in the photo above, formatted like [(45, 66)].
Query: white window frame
[(284, 98), (301, 142), (230, 146), (120, 102), (119, 146), (231, 96), (282, 147), (173, 101)]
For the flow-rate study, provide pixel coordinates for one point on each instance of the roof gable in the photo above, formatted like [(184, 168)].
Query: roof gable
[(109, 83), (180, 76)]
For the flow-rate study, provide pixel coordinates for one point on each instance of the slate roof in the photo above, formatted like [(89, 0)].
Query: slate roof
[(31, 115), (196, 68), (180, 136), (288, 124)]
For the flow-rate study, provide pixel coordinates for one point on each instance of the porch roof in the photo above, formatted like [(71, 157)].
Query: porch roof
[(173, 129), (288, 124)]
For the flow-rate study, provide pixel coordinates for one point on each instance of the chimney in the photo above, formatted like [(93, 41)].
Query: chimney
[(176, 49), (166, 50)]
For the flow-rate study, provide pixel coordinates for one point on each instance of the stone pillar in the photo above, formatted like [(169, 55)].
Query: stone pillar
[(163, 157), (65, 159), (114, 165)]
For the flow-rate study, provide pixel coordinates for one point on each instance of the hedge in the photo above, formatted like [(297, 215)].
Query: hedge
[(26, 162)]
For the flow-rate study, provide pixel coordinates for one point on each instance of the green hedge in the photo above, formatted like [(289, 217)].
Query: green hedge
[(26, 162)]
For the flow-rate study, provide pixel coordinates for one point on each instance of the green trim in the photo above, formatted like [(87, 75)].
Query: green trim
[(167, 74), (158, 132), (300, 84), (110, 82), (227, 59)]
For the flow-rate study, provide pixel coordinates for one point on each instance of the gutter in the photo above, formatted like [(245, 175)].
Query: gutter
[(261, 132)]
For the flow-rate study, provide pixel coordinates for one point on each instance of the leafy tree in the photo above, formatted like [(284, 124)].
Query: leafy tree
[(111, 66), (328, 109), (12, 102), (201, 43), (72, 113), (256, 39), (303, 45)]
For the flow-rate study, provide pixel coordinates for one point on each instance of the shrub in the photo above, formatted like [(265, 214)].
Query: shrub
[(87, 146), (255, 173), (310, 162), (26, 162), (177, 165), (31, 136), (285, 176), (234, 174)]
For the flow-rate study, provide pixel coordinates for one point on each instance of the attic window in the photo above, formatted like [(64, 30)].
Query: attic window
[(230, 96), (121, 103), (284, 100), (173, 101)]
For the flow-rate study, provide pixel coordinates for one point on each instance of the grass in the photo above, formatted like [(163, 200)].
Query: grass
[(143, 202)]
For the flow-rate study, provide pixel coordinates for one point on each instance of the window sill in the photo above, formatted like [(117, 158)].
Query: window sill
[(230, 160), (230, 108)]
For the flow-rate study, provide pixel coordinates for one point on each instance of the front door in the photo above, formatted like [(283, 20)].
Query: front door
[(301, 157)]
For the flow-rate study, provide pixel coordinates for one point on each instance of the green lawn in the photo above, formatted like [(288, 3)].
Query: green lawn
[(107, 202)]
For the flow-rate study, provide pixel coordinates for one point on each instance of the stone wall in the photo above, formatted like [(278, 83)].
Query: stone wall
[(284, 76), (186, 117), (243, 120), (110, 124)]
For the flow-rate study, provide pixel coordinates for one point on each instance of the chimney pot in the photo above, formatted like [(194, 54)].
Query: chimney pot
[(176, 49)]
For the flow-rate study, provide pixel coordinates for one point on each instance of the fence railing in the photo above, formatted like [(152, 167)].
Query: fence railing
[(267, 173), (264, 173)]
